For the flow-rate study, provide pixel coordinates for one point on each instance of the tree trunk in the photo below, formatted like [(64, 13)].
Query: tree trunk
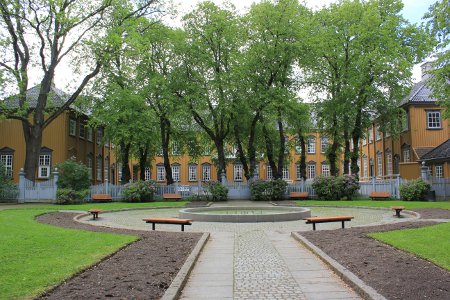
[(282, 146), (33, 143), (165, 140), (332, 153), (241, 153), (356, 135), (347, 153), (143, 154), (269, 152), (302, 156), (125, 159), (219, 143)]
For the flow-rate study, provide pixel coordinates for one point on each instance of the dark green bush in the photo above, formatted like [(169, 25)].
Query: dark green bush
[(268, 190), (415, 190), (139, 191), (73, 182), (8, 190), (218, 191), (334, 188)]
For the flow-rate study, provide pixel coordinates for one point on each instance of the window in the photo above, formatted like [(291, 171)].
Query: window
[(106, 168), (256, 172), (99, 135), (72, 127), (160, 173), (160, 151), (365, 169), (406, 157), (119, 166), (269, 174), (364, 141), (311, 145), (82, 130), (89, 134), (147, 174), (192, 173), (359, 167), (44, 166), (7, 160), (99, 167), (370, 135), (388, 163), (379, 164), (434, 119), (298, 146), (176, 173), (206, 172), (237, 172), (175, 148), (405, 121), (323, 144), (377, 133), (311, 170), (285, 172), (325, 169), (439, 171), (298, 173), (89, 164)]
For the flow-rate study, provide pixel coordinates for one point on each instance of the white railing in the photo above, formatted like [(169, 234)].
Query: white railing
[(389, 184)]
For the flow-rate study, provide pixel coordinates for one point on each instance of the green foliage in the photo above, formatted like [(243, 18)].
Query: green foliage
[(24, 276), (8, 190), (139, 191), (73, 182), (334, 187), (268, 190), (218, 191), (415, 190)]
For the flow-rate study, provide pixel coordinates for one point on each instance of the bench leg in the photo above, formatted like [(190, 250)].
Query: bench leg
[(153, 226), (397, 213), (314, 226), (182, 227), (343, 224)]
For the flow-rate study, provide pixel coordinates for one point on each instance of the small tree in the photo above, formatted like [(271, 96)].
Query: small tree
[(73, 182), (415, 190)]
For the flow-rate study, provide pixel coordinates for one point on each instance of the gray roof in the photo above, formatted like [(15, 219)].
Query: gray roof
[(441, 152), (56, 98), (420, 93)]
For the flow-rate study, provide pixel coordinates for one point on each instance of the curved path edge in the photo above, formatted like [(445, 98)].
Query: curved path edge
[(178, 283), (347, 276)]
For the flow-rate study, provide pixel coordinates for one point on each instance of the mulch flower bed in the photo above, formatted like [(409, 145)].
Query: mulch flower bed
[(142, 270), (391, 272), (145, 269)]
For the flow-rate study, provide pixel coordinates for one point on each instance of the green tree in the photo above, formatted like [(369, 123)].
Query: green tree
[(439, 26), (43, 33)]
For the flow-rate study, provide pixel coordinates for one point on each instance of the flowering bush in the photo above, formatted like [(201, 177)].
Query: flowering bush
[(415, 190), (334, 188), (218, 191), (268, 190), (140, 191)]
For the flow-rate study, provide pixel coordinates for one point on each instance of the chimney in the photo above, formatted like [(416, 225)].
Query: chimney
[(426, 68)]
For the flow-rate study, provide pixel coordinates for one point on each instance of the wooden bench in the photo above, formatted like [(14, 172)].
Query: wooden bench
[(101, 197), (380, 195), (397, 209), (94, 213), (181, 222), (314, 220), (171, 196), (299, 195)]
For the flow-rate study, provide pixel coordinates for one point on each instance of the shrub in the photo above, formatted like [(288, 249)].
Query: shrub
[(334, 188), (268, 190), (8, 190), (415, 190), (218, 191), (140, 191), (73, 182)]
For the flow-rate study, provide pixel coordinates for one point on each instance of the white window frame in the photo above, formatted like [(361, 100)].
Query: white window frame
[(89, 164), (311, 145), (106, 168), (176, 173), (89, 133), (238, 171), (379, 164), (44, 165), (377, 133), (364, 141), (256, 172), (99, 135), (160, 173), (269, 173), (370, 135), (285, 173), (439, 171), (206, 172), (326, 170), (7, 160), (434, 120), (82, 130), (323, 144), (98, 168), (365, 167), (175, 149), (298, 146), (72, 127), (406, 155), (192, 172), (311, 171), (389, 167), (298, 172), (147, 174)]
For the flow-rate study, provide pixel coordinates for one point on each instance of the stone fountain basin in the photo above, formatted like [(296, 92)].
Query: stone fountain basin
[(245, 214)]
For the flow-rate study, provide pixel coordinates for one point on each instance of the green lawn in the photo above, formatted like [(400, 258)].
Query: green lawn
[(377, 203), (35, 256), (431, 243)]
